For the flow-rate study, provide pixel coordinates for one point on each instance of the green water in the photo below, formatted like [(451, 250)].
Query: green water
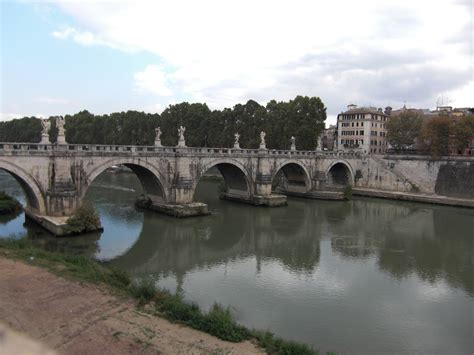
[(365, 276)]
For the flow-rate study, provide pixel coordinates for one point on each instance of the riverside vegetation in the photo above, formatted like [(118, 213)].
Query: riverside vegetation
[(9, 204), (218, 321), (85, 219)]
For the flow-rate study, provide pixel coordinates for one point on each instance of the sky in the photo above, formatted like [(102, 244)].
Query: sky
[(60, 57)]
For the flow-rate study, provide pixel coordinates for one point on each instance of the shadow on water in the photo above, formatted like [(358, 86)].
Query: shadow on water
[(364, 266)]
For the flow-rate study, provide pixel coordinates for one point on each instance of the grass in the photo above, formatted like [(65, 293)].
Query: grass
[(218, 321)]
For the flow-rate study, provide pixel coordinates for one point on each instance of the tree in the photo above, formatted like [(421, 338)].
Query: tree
[(23, 130), (463, 132), (435, 134), (404, 129), (195, 117), (249, 121), (306, 121)]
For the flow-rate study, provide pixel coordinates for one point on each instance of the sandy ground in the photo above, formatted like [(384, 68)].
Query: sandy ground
[(76, 318)]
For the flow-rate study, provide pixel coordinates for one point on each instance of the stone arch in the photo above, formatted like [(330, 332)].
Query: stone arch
[(34, 195), (339, 173), (236, 177), (296, 177), (152, 181)]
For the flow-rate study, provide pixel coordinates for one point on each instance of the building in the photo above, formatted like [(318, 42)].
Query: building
[(362, 128), (329, 138)]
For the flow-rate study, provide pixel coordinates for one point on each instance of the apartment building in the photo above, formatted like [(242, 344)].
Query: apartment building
[(362, 128)]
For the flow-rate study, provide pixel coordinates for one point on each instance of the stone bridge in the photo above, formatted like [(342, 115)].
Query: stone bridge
[(56, 177)]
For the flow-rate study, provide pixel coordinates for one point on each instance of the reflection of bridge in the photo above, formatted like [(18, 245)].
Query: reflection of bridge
[(55, 178)]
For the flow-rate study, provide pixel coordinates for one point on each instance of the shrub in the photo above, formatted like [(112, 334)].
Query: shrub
[(143, 290), (85, 219), (8, 204), (276, 345), (220, 323)]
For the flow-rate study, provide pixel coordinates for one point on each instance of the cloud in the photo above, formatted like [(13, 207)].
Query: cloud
[(87, 38), (153, 79), (228, 52)]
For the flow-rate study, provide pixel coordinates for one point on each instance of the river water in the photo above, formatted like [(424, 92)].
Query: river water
[(363, 276)]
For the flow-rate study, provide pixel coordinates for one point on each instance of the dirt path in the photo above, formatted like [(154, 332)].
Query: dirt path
[(77, 318)]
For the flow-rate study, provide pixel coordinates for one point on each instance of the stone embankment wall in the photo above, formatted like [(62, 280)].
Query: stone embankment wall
[(450, 176)]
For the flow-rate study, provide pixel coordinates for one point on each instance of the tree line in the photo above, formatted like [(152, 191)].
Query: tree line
[(434, 136), (303, 117)]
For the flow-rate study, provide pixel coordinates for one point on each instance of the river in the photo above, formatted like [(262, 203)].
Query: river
[(361, 276)]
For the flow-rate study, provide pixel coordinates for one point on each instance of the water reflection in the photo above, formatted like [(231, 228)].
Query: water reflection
[(383, 273)]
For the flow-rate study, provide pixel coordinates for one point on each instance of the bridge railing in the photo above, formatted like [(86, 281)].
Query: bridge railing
[(40, 149)]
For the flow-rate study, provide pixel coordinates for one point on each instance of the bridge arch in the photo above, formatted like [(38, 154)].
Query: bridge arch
[(236, 177), (339, 173), (296, 177), (34, 195), (152, 181)]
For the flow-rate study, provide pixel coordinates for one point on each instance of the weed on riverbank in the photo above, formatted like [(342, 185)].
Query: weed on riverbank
[(218, 321)]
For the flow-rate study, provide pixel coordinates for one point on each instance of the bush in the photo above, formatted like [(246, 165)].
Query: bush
[(143, 290), (220, 323), (85, 219), (9, 204), (276, 345)]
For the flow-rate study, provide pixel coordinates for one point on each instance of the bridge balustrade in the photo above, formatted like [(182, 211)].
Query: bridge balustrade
[(38, 148)]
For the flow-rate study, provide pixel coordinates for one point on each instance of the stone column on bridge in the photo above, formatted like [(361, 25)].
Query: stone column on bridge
[(263, 195), (61, 196)]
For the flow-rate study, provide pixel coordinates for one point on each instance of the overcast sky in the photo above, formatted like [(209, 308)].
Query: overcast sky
[(59, 57)]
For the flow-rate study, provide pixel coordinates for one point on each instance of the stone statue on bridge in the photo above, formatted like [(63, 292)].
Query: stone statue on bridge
[(45, 131), (181, 141), (236, 141), (157, 137), (262, 140), (61, 132), (319, 145), (293, 143)]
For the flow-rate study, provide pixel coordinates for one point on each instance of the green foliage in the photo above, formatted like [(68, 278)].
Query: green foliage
[(131, 127), (435, 134), (85, 219), (23, 130), (403, 129), (302, 117), (218, 321), (463, 131), (276, 345), (9, 204), (348, 192), (143, 290)]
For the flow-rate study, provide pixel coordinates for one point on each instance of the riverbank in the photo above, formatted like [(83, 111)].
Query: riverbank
[(404, 196), (75, 305)]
